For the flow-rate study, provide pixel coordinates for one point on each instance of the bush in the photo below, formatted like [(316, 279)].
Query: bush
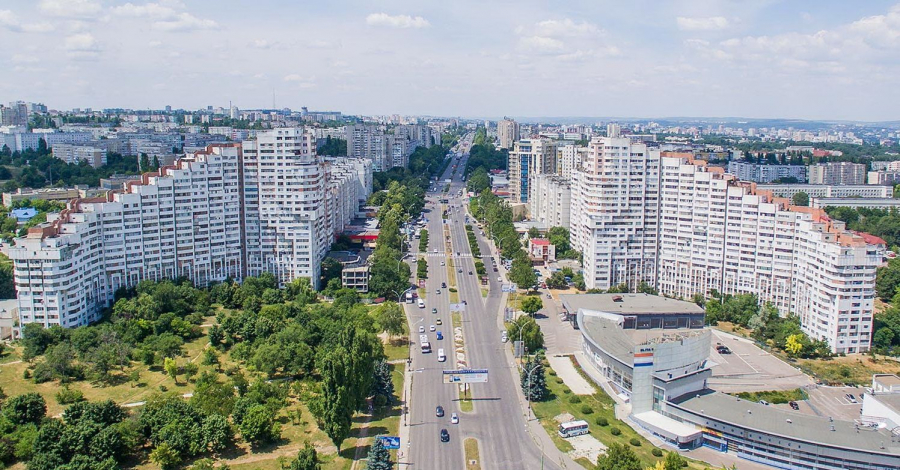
[(574, 399), (567, 391), (586, 409), (67, 396), (558, 380), (452, 289), (552, 372), (656, 452), (602, 421), (615, 431), (635, 442)]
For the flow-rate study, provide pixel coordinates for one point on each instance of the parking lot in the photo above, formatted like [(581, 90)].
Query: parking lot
[(833, 401), (750, 369)]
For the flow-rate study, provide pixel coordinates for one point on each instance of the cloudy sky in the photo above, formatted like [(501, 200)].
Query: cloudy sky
[(817, 59)]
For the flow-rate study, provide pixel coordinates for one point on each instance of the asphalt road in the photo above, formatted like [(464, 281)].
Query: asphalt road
[(497, 420)]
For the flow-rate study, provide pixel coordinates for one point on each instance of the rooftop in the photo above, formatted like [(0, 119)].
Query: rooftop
[(887, 379), (619, 343), (539, 241), (788, 424), (628, 304)]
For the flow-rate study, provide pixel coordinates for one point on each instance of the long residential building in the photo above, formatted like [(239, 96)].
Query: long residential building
[(764, 173), (837, 173), (230, 211), (828, 190), (639, 215)]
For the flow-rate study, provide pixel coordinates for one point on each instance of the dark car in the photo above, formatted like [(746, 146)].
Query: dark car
[(444, 285), (439, 411), (794, 406), (445, 436)]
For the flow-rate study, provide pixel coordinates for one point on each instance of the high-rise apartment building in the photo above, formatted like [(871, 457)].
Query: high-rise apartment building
[(386, 150), (838, 173), (568, 157), (705, 231), (232, 210), (615, 213), (507, 133), (550, 203), (529, 157)]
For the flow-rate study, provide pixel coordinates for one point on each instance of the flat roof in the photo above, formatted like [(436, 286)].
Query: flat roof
[(668, 427), (773, 420), (890, 400), (887, 379), (631, 304), (619, 343)]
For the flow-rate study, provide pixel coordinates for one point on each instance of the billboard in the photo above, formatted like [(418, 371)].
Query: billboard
[(390, 442), (467, 376)]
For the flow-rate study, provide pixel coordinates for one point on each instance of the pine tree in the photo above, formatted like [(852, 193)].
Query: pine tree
[(383, 385), (535, 388), (307, 459), (379, 458)]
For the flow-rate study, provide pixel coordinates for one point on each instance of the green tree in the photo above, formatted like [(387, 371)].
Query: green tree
[(522, 272), (530, 333), (383, 386), (336, 402), (800, 199), (331, 269), (164, 456), (171, 368), (619, 457), (24, 409), (533, 381), (533, 232), (559, 237), (531, 304), (674, 461), (259, 426), (379, 458), (307, 459), (390, 318)]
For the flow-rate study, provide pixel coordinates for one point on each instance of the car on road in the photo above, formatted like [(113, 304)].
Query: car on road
[(470, 273), (421, 328), (499, 279), (438, 292), (438, 322), (444, 285), (433, 310), (495, 268), (431, 328), (445, 436), (454, 418), (440, 335), (503, 337), (439, 411), (459, 270), (794, 406), (763, 402), (442, 263)]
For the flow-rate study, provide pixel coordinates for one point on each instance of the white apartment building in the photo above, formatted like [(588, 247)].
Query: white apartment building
[(883, 177), (74, 154), (551, 202), (827, 190), (761, 173), (615, 214), (718, 233), (837, 173), (568, 157), (369, 142), (529, 157), (507, 133), (232, 210)]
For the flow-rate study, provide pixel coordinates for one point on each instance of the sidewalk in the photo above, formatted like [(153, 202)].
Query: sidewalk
[(405, 445), (570, 376)]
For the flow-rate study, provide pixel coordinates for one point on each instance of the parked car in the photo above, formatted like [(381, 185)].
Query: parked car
[(503, 337), (794, 406), (763, 402)]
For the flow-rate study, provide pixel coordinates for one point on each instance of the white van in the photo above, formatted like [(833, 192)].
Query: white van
[(421, 303), (441, 356)]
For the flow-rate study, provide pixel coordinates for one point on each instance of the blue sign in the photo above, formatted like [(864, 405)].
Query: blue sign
[(390, 442)]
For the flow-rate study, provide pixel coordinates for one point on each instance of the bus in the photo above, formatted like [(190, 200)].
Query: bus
[(573, 428), (425, 344)]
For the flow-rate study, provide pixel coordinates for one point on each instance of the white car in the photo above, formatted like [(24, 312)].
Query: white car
[(499, 279), (431, 328), (503, 337), (421, 328), (454, 418), (442, 263)]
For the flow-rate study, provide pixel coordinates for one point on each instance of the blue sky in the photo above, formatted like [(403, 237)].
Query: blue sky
[(826, 59)]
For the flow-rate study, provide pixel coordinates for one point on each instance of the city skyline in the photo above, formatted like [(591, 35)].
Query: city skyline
[(803, 60)]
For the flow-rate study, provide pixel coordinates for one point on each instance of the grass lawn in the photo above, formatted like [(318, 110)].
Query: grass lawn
[(484, 292), (465, 401), (856, 369), (451, 272), (397, 348), (591, 409), (454, 297), (471, 446)]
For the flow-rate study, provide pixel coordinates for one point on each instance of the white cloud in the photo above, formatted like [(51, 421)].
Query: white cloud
[(154, 43), (149, 10), (712, 23), (541, 44), (23, 59), (397, 21), (10, 21), (83, 9), (184, 22), (298, 78), (261, 44), (82, 46), (565, 27)]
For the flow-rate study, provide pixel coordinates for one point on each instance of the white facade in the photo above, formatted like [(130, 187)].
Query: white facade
[(551, 201), (827, 190), (766, 173), (716, 233), (233, 210), (837, 173), (569, 157), (615, 214), (74, 154), (507, 133)]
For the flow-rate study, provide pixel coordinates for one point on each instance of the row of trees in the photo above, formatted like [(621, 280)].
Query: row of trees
[(423, 164), (333, 147), (498, 220)]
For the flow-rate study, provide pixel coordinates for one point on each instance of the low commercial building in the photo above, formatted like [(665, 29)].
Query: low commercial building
[(47, 194), (356, 278), (881, 406), (540, 249), (855, 202)]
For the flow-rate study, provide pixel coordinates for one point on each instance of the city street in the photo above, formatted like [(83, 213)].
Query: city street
[(497, 421)]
